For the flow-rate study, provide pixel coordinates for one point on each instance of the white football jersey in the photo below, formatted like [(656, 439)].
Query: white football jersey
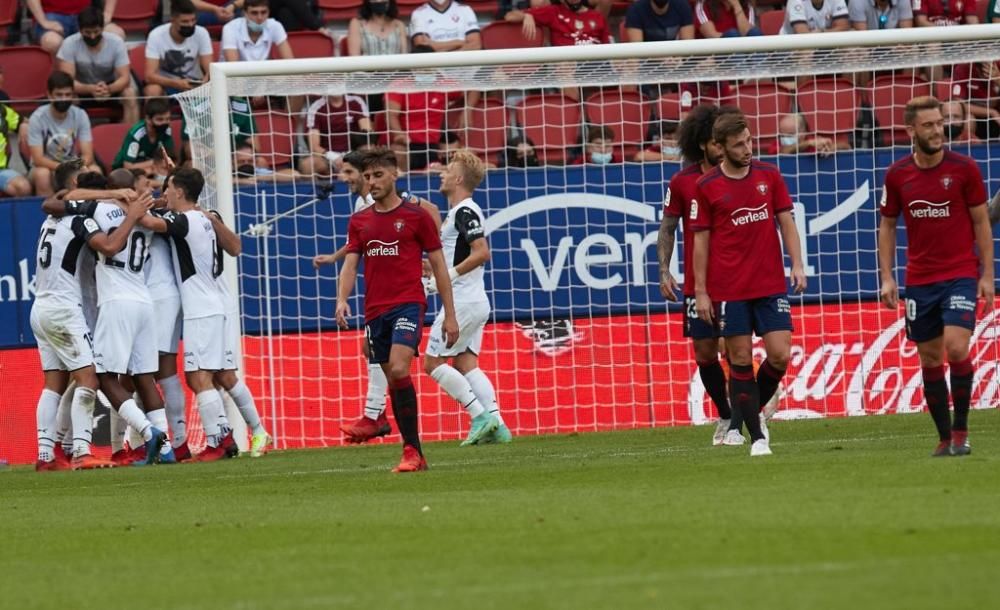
[(817, 19), (160, 277), (454, 23), (462, 226), (363, 202), (60, 254), (197, 262), (120, 277)]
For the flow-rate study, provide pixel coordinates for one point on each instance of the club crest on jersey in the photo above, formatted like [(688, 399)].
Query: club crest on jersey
[(762, 188), (946, 182), (400, 225)]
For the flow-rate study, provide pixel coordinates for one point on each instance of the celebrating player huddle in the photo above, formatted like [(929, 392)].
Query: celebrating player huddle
[(128, 344)]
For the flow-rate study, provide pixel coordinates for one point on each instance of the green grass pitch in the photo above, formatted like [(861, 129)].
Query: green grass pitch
[(848, 514)]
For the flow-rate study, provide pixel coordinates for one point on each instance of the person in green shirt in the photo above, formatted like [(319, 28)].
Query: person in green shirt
[(146, 137), (12, 126)]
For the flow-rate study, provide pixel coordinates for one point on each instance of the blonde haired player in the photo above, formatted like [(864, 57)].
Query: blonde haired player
[(466, 251)]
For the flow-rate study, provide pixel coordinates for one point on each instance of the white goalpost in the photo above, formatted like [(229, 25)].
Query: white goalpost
[(580, 338)]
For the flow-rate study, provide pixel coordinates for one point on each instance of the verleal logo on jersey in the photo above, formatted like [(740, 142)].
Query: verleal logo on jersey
[(381, 248), (929, 209), (745, 216)]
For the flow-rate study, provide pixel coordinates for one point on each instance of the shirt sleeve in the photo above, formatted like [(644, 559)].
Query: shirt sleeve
[(905, 9), (354, 245), (36, 135), (700, 214), (780, 198), (83, 121), (856, 11), (427, 234), (839, 9), (121, 53), (960, 75), (684, 14), (889, 204), (12, 118), (796, 11), (632, 17), (67, 48), (918, 7), (229, 35), (700, 16), (469, 225), (673, 203), (544, 15), (153, 45), (418, 25), (204, 41), (131, 148), (471, 23), (177, 225), (974, 190), (85, 228), (278, 32), (971, 8)]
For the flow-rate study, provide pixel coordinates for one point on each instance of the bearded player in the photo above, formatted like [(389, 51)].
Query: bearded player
[(392, 234), (741, 286), (942, 199)]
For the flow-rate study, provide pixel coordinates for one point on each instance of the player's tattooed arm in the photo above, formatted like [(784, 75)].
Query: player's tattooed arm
[(229, 241), (664, 252), (995, 209)]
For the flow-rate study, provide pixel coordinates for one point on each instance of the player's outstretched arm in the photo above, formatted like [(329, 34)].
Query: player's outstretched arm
[(330, 259), (790, 237), (229, 241), (702, 302), (443, 281), (345, 285), (984, 243), (665, 252), (889, 293), (111, 244)]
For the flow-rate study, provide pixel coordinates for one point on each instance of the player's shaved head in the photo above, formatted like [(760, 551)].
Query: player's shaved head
[(121, 178)]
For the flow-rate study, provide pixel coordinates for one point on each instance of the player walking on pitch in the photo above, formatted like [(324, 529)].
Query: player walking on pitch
[(391, 235), (942, 199), (741, 286), (465, 249)]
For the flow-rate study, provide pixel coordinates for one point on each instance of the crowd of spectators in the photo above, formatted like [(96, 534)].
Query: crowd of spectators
[(425, 114)]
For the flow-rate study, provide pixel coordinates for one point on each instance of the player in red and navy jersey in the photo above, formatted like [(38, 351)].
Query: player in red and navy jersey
[(392, 235), (942, 199), (702, 153), (741, 287)]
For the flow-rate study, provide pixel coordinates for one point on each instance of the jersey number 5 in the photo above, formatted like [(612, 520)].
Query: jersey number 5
[(45, 248)]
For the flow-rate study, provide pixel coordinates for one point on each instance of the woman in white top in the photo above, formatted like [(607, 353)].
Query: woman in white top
[(377, 31)]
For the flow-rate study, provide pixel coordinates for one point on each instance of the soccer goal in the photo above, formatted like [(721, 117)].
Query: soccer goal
[(580, 338)]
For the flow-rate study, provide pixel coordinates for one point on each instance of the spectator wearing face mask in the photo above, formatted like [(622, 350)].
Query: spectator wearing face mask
[(978, 85), (519, 152), (445, 25), (570, 23), (805, 16), (794, 138), (377, 30), (58, 131), (880, 14), (146, 137), (663, 144), (99, 64), (656, 20), (253, 36), (177, 53), (957, 127), (599, 149)]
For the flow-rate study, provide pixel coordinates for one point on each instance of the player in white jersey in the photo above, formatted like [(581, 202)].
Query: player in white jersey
[(62, 319), (211, 329), (373, 423), (463, 236), (124, 338)]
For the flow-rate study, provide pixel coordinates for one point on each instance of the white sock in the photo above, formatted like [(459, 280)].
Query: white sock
[(484, 391), (134, 416), (173, 401), (83, 420), (159, 420), (64, 419), (377, 385), (45, 415), (244, 402), (117, 426), (210, 408), (456, 386), (135, 438)]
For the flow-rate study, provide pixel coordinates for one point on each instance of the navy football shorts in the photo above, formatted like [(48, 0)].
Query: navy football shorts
[(755, 316), (402, 325), (931, 307), (694, 327)]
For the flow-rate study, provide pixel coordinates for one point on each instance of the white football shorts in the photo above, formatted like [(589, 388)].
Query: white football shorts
[(472, 319), (125, 338), (64, 340), (168, 324)]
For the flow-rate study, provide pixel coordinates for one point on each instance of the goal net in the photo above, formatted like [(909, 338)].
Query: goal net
[(580, 338)]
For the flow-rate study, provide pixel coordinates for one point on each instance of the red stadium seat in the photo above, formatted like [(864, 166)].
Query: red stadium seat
[(486, 127), (175, 130), (552, 122), (8, 12), (771, 22), (668, 107), (763, 104), (889, 95), (342, 47), (309, 44), (830, 105), (339, 10), (508, 35), (136, 15), (108, 140), (625, 112), (942, 90), (406, 7), (25, 72), (380, 126), (276, 137), (137, 59)]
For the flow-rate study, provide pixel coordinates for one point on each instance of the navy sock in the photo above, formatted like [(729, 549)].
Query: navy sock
[(404, 408), (745, 398), (768, 378), (961, 392), (936, 395), (714, 380)]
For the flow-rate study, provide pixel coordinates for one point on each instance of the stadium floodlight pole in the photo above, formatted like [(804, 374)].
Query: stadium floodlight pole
[(618, 51), (223, 183)]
